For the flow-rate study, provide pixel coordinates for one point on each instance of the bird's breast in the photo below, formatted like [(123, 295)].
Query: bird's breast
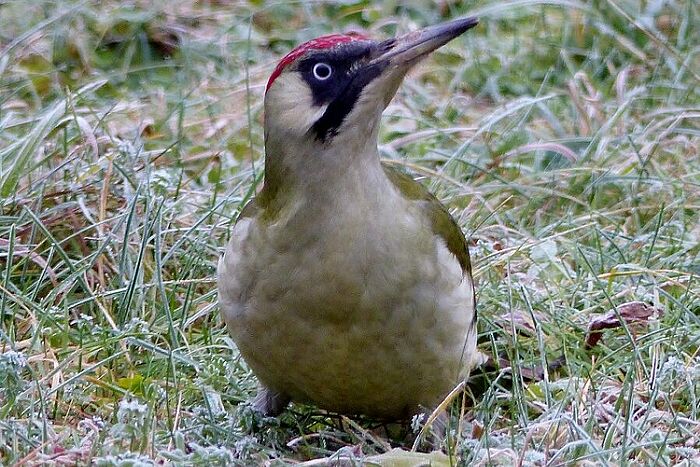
[(341, 259), (337, 307)]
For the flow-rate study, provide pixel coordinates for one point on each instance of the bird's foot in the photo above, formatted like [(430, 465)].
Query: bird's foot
[(430, 438), (270, 403), (260, 413)]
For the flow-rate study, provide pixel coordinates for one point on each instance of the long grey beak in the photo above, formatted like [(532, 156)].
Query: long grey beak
[(386, 64), (411, 47)]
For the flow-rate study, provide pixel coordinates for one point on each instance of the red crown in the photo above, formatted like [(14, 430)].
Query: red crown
[(323, 42)]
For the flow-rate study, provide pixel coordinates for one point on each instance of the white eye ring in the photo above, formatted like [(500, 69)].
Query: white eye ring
[(322, 71)]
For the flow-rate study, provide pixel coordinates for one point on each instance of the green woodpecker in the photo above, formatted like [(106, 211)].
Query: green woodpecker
[(346, 284)]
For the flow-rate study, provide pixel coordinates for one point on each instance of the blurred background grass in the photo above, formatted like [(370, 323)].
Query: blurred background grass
[(562, 134)]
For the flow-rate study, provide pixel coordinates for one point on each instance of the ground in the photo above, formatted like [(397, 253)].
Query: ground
[(562, 135)]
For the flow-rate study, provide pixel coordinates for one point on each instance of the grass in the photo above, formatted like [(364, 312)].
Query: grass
[(563, 135)]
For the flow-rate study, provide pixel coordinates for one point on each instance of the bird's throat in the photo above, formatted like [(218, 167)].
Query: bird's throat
[(333, 177)]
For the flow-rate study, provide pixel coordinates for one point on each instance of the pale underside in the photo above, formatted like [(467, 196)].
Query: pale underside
[(355, 305)]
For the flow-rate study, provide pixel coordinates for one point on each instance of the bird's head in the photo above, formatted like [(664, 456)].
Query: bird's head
[(335, 87)]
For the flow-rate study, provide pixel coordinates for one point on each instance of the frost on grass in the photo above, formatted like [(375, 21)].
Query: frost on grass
[(12, 375), (679, 380), (564, 140), (205, 455), (125, 459), (132, 420)]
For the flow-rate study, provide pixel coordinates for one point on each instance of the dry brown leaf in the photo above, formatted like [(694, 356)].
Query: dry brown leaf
[(633, 313)]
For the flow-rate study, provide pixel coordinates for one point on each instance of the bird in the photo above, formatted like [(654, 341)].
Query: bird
[(345, 283)]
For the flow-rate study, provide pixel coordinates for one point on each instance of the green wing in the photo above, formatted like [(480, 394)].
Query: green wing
[(442, 222)]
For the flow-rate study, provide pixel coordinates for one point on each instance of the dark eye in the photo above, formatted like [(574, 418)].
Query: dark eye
[(322, 71)]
